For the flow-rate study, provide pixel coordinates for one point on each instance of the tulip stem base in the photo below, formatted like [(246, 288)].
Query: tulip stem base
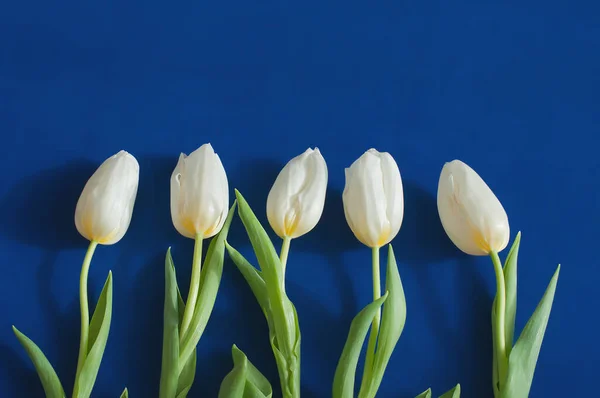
[(372, 345), (499, 335), (84, 307), (194, 287)]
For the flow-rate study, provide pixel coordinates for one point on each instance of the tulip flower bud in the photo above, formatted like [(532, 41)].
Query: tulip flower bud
[(104, 209), (296, 200), (472, 216), (199, 194), (373, 198)]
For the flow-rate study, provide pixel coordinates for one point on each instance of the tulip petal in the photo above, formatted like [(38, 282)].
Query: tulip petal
[(471, 215), (199, 194), (373, 198), (48, 377), (296, 200), (105, 207)]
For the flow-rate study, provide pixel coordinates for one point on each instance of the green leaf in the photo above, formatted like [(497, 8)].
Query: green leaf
[(289, 366), (244, 380), (272, 273), (48, 377), (234, 383), (523, 358), (454, 393), (256, 382), (425, 394), (510, 279), (188, 373), (210, 279), (252, 276), (343, 382), (173, 384), (125, 394), (261, 243), (392, 324), (169, 375), (101, 321), (186, 378)]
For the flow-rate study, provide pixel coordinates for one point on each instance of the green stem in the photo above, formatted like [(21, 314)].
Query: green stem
[(194, 286), (285, 248), (370, 358), (83, 307), (499, 335), (283, 319)]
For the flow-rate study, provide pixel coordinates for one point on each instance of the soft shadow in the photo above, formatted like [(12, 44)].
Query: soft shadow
[(151, 222), (306, 393), (317, 342), (331, 237), (142, 356), (39, 210), (476, 344), (422, 239), (34, 212), (423, 245), (23, 378), (63, 324), (151, 232), (254, 179), (240, 322)]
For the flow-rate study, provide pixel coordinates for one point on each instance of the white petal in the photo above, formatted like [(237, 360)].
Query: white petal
[(105, 207), (366, 198), (200, 197), (295, 202), (392, 183), (471, 215)]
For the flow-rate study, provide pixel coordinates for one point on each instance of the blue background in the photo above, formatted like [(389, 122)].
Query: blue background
[(510, 87)]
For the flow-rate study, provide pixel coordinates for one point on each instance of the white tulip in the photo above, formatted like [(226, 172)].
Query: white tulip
[(104, 209), (472, 216), (199, 194), (373, 198), (296, 200)]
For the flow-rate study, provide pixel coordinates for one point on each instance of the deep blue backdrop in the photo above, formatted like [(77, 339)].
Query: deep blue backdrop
[(510, 87)]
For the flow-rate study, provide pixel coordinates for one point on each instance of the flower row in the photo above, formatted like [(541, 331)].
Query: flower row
[(373, 200)]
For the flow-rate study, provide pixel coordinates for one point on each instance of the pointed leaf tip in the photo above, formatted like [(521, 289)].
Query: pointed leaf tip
[(524, 355), (345, 373), (47, 375)]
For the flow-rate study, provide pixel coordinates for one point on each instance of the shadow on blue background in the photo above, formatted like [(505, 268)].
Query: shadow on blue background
[(34, 213)]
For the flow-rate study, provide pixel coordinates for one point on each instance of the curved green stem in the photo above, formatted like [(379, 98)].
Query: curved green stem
[(499, 335), (83, 307), (283, 256), (375, 325), (285, 249), (194, 286)]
